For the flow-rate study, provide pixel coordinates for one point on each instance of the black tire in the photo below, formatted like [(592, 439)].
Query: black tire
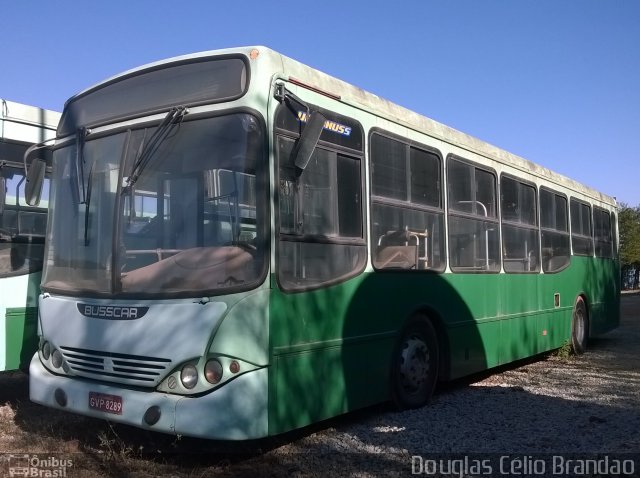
[(579, 327), (414, 366)]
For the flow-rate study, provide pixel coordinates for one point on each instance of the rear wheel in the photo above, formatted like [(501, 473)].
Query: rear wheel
[(579, 327), (414, 369)]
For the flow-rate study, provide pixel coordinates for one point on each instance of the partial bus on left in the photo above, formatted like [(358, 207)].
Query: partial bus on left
[(22, 231)]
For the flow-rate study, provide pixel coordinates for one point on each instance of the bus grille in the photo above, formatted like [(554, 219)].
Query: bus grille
[(115, 367)]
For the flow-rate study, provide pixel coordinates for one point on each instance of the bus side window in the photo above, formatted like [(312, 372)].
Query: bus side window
[(519, 226), (581, 231), (407, 212), (554, 225), (474, 244), (321, 236), (602, 233)]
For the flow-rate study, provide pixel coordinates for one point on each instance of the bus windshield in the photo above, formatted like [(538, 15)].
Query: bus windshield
[(187, 225)]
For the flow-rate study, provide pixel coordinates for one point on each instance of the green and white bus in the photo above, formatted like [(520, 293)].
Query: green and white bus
[(239, 245), (22, 230)]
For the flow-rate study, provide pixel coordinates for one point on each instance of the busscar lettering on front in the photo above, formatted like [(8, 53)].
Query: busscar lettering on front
[(110, 311), (113, 312)]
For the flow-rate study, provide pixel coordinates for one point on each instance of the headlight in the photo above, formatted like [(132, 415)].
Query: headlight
[(56, 358), (189, 376), (46, 350), (213, 371)]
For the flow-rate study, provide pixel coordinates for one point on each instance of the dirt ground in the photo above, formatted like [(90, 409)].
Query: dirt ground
[(90, 447)]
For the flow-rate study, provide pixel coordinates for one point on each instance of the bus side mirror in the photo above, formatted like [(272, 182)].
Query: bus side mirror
[(3, 193), (308, 140), (35, 179)]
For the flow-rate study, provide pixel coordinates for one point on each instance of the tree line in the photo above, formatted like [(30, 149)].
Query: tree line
[(629, 230)]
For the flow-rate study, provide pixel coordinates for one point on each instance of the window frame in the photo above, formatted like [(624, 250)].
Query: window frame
[(472, 216), (581, 203), (609, 229), (407, 204), (554, 231), (337, 149), (521, 225)]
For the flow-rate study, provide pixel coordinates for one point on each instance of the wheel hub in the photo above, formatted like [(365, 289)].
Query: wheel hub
[(414, 366)]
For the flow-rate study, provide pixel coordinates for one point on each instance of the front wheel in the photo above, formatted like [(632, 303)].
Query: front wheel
[(579, 327), (414, 369)]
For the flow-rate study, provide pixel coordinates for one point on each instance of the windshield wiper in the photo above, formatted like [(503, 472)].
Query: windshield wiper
[(87, 202), (173, 117), (81, 135)]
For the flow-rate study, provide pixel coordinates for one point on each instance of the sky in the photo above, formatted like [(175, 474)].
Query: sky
[(554, 81)]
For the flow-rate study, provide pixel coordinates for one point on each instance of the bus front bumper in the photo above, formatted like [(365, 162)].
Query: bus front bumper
[(236, 411)]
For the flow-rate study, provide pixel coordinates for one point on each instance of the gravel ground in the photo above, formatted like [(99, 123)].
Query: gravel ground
[(585, 407)]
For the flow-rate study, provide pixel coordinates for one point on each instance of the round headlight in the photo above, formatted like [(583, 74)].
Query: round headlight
[(46, 350), (213, 371), (234, 366), (56, 358), (189, 376)]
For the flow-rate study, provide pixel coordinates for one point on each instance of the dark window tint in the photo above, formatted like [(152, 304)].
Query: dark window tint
[(520, 251), (405, 238), (407, 218), (389, 168), (553, 211), (471, 190), (474, 245), (581, 238), (556, 247), (325, 200), (518, 202), (425, 178), (485, 193), (404, 172), (602, 233), (474, 240)]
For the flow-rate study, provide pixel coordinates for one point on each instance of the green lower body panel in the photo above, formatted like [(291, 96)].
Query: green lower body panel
[(21, 336), (326, 379), (331, 349)]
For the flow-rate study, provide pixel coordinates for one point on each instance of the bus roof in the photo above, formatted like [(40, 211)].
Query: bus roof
[(288, 68)]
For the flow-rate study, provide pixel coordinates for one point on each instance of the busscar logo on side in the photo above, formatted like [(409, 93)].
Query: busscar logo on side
[(112, 312), (329, 125)]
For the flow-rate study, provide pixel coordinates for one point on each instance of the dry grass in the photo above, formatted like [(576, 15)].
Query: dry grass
[(100, 448)]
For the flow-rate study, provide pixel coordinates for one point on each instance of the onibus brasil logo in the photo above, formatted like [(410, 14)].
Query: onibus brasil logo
[(38, 466)]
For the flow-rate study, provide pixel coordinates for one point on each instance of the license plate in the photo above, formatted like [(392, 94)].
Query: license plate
[(105, 403)]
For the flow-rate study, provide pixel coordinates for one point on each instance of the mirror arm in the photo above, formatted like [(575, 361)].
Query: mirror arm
[(310, 135), (30, 150), (283, 94)]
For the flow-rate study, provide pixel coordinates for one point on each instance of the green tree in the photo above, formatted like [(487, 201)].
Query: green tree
[(629, 230)]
